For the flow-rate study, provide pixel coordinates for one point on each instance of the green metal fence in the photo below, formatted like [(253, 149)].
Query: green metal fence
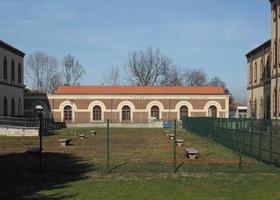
[(257, 138)]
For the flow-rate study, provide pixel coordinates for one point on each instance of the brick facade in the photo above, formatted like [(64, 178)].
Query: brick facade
[(140, 106)]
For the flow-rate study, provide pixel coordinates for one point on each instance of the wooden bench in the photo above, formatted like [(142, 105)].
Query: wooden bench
[(170, 136), (82, 136), (166, 132), (65, 142), (192, 153), (93, 132), (179, 142), (34, 151)]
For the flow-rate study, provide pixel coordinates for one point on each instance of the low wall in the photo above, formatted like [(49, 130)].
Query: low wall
[(157, 124), (18, 131)]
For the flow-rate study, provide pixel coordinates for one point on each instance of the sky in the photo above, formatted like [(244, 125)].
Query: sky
[(212, 35)]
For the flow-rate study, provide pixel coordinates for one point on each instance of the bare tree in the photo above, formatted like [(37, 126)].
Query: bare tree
[(172, 77), (112, 76), (195, 77), (216, 81), (147, 67), (42, 72), (73, 71)]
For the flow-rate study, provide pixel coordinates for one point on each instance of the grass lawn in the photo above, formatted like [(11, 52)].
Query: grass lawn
[(141, 162)]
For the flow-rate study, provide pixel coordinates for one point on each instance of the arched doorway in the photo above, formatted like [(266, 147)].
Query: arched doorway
[(184, 112), (212, 111), (67, 113), (155, 112), (126, 113)]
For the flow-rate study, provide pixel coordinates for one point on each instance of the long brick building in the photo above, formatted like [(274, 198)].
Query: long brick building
[(130, 104)]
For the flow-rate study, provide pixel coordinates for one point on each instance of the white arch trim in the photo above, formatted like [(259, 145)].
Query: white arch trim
[(183, 103), (155, 103), (126, 103), (68, 103), (213, 103), (96, 103)]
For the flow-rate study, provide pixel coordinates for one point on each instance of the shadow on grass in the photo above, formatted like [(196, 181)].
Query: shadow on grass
[(20, 178)]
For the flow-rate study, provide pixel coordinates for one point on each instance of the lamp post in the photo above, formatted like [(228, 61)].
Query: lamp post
[(72, 103), (39, 110)]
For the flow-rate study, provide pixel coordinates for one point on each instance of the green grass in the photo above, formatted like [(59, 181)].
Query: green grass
[(141, 160), (193, 187)]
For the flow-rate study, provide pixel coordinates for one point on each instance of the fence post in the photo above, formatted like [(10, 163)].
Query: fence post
[(270, 141), (260, 145), (251, 136), (174, 147), (107, 147), (240, 145)]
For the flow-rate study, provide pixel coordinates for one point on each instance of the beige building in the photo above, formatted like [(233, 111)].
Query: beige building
[(130, 104), (263, 85), (11, 80)]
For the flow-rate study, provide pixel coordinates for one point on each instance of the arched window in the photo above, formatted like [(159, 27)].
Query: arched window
[(250, 74), (13, 71), (262, 70), (5, 106), (256, 72), (184, 112), (19, 107), (274, 102), (13, 112), (275, 54), (96, 113), (5, 69), (19, 73), (126, 113), (212, 111), (155, 112), (67, 113), (268, 67)]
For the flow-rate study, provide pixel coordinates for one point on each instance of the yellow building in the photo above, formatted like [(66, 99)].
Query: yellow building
[(11, 80), (263, 86)]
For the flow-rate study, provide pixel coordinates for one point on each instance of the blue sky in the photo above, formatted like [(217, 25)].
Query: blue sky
[(213, 35)]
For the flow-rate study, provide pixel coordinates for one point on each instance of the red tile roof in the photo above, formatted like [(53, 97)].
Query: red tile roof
[(138, 90)]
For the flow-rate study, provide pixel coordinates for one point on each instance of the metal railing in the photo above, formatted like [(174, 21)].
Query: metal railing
[(256, 138), (9, 122)]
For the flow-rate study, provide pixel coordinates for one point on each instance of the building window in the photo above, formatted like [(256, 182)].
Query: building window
[(19, 73), (67, 113), (5, 69), (268, 68), (274, 12), (13, 71), (155, 112), (5, 106), (126, 113), (275, 53), (184, 112), (96, 113), (250, 74), (13, 112), (274, 102), (212, 111), (256, 72), (19, 107), (262, 70)]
